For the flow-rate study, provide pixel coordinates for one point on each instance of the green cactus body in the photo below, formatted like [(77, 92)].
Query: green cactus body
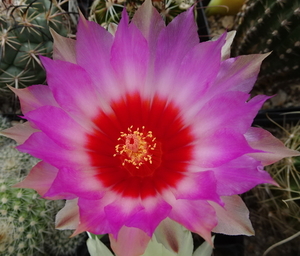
[(104, 12), (24, 35), (271, 26), (26, 220)]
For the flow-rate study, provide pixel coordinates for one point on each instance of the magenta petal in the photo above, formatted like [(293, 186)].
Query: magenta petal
[(220, 147), (72, 88), (155, 210), (196, 215), (42, 147), (34, 97), (231, 106), (119, 211), (94, 53), (71, 183), (130, 65), (239, 74), (40, 178), (175, 40), (233, 218), (58, 126), (274, 149), (200, 185), (130, 242), (240, 175)]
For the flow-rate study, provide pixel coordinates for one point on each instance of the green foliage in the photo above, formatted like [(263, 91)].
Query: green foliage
[(271, 25)]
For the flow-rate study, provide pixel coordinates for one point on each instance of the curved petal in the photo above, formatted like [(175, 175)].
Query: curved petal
[(93, 46), (238, 74), (68, 216), (58, 126), (240, 175), (72, 88), (40, 178), (63, 47), (200, 185), (42, 147), (273, 148), (34, 97), (220, 147), (149, 22), (233, 218), (96, 248), (20, 132), (70, 183), (138, 242), (155, 210), (227, 106), (130, 65), (196, 215)]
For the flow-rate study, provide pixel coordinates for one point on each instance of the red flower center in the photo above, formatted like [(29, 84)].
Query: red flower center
[(141, 147)]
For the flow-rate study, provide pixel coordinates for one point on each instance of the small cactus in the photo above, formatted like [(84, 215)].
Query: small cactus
[(271, 26), (24, 35), (26, 220), (105, 12)]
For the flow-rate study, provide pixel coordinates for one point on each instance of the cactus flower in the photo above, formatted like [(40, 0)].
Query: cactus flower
[(146, 125)]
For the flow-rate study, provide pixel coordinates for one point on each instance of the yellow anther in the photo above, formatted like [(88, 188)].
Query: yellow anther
[(137, 146)]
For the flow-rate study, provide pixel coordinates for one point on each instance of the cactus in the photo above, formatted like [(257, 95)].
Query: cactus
[(271, 25), (26, 220), (109, 11), (24, 35)]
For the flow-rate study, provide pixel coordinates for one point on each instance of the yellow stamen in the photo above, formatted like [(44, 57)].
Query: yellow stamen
[(137, 146)]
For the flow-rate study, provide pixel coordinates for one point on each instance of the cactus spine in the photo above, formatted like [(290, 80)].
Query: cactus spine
[(271, 25)]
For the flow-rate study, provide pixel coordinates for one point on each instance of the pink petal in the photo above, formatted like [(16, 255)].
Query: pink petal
[(233, 218), (42, 147), (234, 107), (220, 147), (92, 215), (240, 175), (238, 74), (93, 54), (72, 88), (170, 80), (200, 185), (149, 22), (34, 97), (130, 65), (137, 245), (63, 48), (68, 217), (196, 215), (70, 183), (40, 178), (263, 140), (119, 211), (176, 40), (155, 210), (58, 126), (20, 132)]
